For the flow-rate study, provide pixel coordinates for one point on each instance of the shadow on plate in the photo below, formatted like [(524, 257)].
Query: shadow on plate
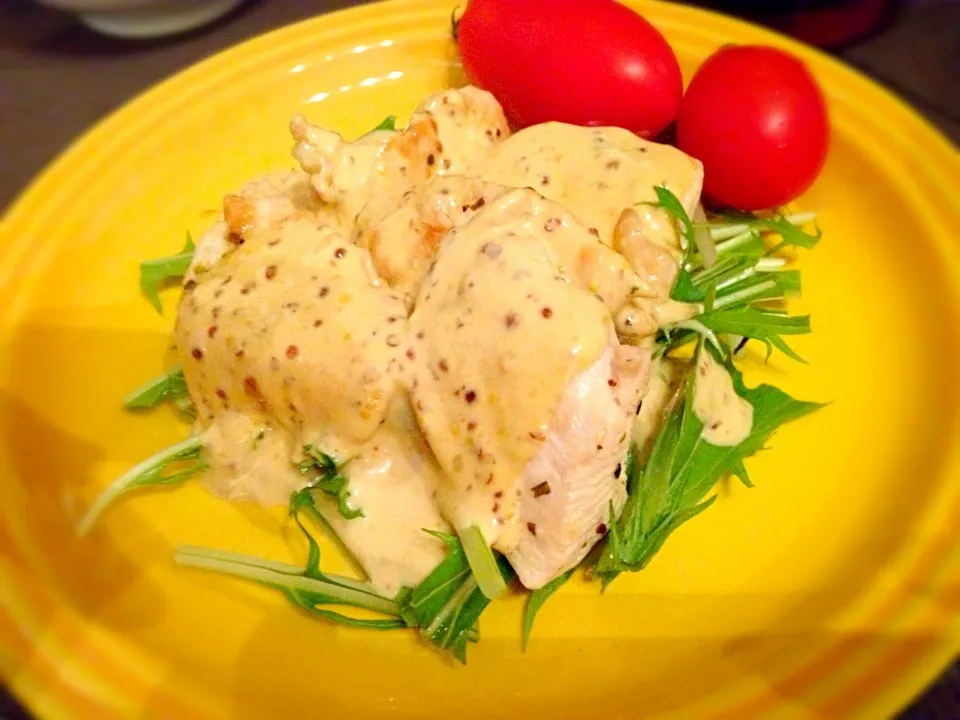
[(279, 670), (59, 428)]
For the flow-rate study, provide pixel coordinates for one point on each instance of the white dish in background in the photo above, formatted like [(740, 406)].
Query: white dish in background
[(144, 18)]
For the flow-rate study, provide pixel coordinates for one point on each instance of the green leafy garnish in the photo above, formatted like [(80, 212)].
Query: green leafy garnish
[(329, 480), (448, 603), (767, 326), (681, 471), (745, 323), (536, 600), (671, 203), (482, 562), (302, 502), (388, 123), (168, 467), (737, 280), (309, 588), (754, 323), (168, 387), (736, 290), (155, 274), (734, 224)]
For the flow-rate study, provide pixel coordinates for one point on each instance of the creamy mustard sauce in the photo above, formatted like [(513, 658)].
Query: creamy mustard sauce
[(290, 324), (597, 173), (393, 480), (578, 254), (342, 173), (249, 459), (672, 312), (404, 243), (372, 171), (727, 418), (497, 334)]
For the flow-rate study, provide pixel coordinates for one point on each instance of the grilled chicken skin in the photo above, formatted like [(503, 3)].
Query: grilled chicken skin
[(449, 132)]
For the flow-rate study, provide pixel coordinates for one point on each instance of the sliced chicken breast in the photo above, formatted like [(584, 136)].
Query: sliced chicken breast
[(497, 295), (577, 478)]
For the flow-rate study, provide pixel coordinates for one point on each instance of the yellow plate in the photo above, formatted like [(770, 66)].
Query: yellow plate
[(831, 589)]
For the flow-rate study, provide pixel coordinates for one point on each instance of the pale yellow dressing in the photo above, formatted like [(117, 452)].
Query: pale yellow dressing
[(727, 418), (291, 325), (393, 481), (597, 173), (249, 459)]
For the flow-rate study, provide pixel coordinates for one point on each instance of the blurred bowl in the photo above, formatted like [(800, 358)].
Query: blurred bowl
[(144, 18)]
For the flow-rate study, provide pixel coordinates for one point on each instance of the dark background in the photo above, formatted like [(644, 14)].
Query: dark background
[(58, 78)]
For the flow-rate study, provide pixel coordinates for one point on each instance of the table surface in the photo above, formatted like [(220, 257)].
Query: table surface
[(57, 79)]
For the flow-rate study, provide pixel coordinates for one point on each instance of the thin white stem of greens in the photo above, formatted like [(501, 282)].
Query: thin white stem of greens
[(455, 602), (482, 562), (746, 293), (735, 241), (344, 595), (327, 529), (769, 264), (185, 406), (232, 557), (744, 275), (702, 329), (271, 565), (128, 480), (151, 384), (724, 232), (701, 236), (801, 218)]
